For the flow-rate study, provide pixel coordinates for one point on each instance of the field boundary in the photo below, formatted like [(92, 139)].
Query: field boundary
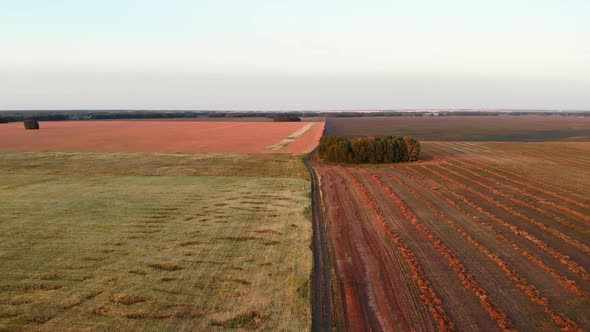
[(321, 318), (291, 138)]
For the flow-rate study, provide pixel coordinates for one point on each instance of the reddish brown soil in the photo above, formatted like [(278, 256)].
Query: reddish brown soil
[(499, 233), (377, 288), (306, 142), (159, 136)]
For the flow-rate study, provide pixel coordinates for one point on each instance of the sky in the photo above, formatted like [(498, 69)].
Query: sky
[(293, 55)]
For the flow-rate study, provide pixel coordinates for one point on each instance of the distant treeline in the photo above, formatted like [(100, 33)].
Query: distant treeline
[(56, 115), (286, 118), (17, 116), (392, 149)]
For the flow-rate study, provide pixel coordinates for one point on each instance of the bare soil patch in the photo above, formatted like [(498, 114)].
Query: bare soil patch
[(162, 136)]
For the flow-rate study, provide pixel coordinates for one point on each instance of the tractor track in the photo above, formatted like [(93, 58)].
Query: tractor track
[(322, 319)]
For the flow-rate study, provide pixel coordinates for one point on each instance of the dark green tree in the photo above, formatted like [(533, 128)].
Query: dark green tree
[(31, 124), (390, 149)]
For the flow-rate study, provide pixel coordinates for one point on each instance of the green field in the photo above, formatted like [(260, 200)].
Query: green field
[(154, 242)]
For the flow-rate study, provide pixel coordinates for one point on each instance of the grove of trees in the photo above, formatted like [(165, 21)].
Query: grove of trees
[(391, 149), (31, 124), (286, 118)]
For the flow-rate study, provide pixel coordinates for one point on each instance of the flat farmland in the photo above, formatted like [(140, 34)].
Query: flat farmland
[(164, 136), (476, 236), (154, 241), (466, 128)]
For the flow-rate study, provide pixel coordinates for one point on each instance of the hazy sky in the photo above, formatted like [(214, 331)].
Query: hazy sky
[(304, 54)]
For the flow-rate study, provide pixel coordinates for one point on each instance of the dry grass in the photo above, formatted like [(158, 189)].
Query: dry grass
[(87, 241), (153, 164)]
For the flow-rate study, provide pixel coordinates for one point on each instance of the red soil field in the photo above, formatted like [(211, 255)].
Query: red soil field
[(475, 236), (160, 136)]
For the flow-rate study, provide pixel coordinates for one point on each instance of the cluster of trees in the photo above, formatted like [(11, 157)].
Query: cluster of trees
[(391, 149), (31, 124)]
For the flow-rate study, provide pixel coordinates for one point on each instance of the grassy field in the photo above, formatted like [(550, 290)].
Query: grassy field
[(153, 164), (154, 242)]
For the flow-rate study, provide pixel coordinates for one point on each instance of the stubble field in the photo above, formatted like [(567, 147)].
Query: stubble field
[(144, 241), (476, 236)]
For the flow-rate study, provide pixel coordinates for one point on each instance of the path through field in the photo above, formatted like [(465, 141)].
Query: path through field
[(322, 302)]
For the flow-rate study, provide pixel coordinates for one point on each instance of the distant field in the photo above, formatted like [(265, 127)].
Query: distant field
[(143, 241), (477, 236), (244, 119), (164, 136), (466, 128)]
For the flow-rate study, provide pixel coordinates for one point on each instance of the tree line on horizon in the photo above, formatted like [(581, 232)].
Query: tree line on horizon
[(369, 150), (286, 118), (65, 115)]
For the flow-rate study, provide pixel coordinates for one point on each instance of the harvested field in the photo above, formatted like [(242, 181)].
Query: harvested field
[(99, 241), (476, 236), (164, 136), (530, 128)]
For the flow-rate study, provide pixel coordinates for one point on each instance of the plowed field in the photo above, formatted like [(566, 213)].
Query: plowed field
[(164, 136), (476, 236), (525, 128)]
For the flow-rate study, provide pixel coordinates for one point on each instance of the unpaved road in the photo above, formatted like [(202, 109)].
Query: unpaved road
[(322, 304)]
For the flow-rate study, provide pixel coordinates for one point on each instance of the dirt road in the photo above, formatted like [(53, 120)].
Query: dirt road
[(322, 303)]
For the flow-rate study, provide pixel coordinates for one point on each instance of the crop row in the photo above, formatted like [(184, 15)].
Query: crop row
[(540, 152), (559, 157), (568, 283), (521, 282), (521, 184), (539, 170), (522, 202), (517, 214), (518, 180), (428, 295), (563, 259), (465, 278)]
